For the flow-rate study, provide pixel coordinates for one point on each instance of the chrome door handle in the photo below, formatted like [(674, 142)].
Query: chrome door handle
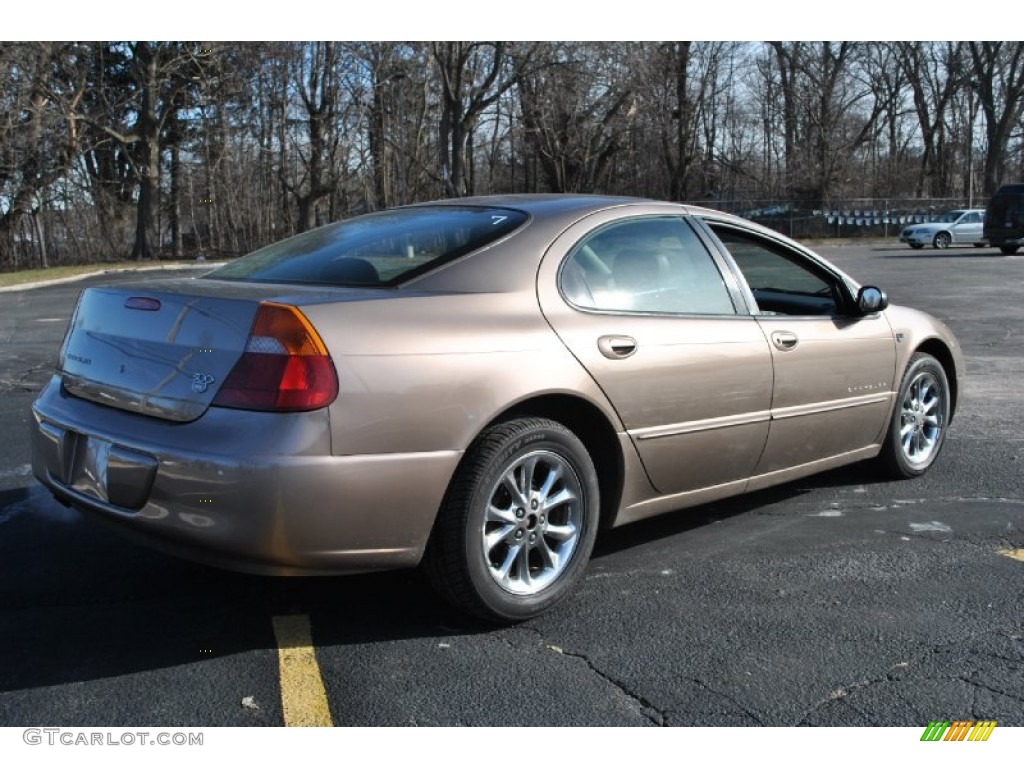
[(616, 347), (785, 340)]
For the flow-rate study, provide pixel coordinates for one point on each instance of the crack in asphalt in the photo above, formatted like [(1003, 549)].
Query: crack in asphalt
[(748, 712), (843, 692), (26, 381), (650, 712), (894, 676), (981, 686)]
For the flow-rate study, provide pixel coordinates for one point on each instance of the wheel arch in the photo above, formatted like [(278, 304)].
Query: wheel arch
[(941, 352), (592, 427)]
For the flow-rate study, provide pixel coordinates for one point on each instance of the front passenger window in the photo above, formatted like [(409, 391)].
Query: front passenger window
[(782, 282)]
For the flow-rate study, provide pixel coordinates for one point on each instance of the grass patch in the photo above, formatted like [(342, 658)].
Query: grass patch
[(23, 276)]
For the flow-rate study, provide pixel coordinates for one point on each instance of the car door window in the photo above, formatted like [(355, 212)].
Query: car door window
[(783, 282), (649, 265)]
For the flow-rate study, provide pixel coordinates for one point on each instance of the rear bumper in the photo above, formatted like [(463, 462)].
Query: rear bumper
[(999, 239), (257, 492)]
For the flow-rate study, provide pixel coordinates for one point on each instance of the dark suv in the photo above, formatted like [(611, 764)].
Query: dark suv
[(1004, 219)]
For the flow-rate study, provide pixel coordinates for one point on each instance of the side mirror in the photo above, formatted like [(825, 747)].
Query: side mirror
[(871, 299)]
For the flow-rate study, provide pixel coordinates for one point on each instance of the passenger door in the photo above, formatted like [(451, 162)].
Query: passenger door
[(658, 321), (968, 228), (834, 369)]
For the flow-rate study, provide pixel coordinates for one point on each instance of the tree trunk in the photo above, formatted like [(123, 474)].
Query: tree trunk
[(148, 163)]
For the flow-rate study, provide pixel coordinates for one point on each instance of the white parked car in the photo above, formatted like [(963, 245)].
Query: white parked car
[(951, 228)]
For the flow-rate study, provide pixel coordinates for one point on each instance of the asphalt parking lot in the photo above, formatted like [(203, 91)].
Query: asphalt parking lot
[(835, 600)]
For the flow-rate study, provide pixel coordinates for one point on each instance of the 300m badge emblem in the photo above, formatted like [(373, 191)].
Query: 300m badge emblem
[(200, 381)]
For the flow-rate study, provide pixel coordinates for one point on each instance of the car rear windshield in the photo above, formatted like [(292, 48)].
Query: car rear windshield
[(380, 249)]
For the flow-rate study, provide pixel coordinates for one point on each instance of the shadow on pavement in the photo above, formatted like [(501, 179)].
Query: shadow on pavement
[(81, 602)]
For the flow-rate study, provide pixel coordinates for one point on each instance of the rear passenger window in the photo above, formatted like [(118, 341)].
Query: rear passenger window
[(651, 265)]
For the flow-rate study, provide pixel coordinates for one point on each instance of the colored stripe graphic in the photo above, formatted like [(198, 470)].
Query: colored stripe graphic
[(982, 730), (958, 730), (935, 730)]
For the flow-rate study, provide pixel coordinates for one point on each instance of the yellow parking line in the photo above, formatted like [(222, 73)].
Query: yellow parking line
[(303, 697), (1016, 554)]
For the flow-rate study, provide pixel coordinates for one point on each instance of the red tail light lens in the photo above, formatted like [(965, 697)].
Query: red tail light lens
[(285, 366)]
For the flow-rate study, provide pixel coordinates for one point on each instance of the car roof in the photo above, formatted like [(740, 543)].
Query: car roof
[(567, 207)]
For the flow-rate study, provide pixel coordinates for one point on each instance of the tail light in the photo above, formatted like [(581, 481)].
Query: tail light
[(285, 366), (67, 334)]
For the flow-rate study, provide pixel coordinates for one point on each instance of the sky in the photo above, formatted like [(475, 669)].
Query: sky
[(465, 20)]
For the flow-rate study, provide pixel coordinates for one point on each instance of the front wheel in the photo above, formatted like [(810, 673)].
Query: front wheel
[(518, 523), (1008, 250), (917, 246), (942, 240), (919, 420)]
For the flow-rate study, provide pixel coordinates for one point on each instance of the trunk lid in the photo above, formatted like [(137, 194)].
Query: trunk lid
[(154, 351)]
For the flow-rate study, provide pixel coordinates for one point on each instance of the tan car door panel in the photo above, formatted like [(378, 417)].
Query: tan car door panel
[(833, 387), (693, 389)]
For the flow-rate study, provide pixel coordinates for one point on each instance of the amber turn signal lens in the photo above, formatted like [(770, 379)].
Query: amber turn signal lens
[(285, 366)]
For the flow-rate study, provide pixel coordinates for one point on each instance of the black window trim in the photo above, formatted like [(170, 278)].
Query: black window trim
[(848, 290)]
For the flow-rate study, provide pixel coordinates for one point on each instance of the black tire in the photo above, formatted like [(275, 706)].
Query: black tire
[(942, 240), (1008, 250), (498, 551), (979, 245), (917, 429), (917, 246)]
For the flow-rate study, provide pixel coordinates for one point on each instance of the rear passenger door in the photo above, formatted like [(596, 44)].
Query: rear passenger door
[(659, 323)]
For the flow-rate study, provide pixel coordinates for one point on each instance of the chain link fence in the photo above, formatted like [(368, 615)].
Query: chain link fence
[(868, 218)]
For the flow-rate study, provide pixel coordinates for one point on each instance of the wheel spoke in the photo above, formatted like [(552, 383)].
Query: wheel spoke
[(561, 532), (523, 566), (498, 536), (498, 515), (562, 497), (511, 483), (549, 557), (529, 467), (554, 473), (502, 571)]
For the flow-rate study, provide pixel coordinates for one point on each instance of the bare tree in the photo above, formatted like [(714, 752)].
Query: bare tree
[(38, 140), (998, 76), (574, 99), (471, 77)]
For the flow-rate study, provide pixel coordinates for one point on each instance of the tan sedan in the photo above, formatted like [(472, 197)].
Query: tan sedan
[(480, 385)]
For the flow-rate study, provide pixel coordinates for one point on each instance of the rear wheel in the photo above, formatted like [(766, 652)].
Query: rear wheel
[(918, 426), (942, 240), (1008, 250), (518, 523)]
